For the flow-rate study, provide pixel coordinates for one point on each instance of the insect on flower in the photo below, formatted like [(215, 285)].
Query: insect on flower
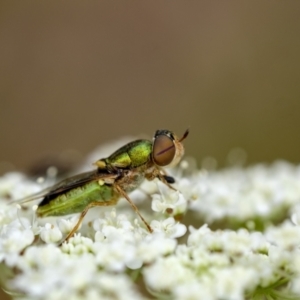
[(115, 176)]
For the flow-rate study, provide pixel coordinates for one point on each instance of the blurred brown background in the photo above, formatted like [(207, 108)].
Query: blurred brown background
[(77, 74)]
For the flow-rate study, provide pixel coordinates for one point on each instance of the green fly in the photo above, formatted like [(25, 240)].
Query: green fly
[(115, 176)]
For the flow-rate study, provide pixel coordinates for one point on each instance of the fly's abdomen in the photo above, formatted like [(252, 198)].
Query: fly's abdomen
[(75, 200)]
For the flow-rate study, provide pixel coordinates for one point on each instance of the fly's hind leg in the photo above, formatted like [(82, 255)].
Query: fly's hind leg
[(82, 215)]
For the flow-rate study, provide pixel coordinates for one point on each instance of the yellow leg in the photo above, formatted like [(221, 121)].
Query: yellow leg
[(93, 204), (82, 215), (159, 173), (162, 179), (123, 193)]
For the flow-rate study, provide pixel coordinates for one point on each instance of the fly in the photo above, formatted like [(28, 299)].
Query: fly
[(115, 176)]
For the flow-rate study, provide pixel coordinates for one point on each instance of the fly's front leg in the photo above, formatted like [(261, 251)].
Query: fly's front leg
[(162, 176), (167, 180)]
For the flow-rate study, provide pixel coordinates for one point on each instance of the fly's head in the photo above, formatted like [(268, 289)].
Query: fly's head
[(167, 149)]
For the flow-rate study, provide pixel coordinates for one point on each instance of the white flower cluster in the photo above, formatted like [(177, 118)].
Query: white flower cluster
[(258, 192), (51, 274), (223, 264), (249, 248)]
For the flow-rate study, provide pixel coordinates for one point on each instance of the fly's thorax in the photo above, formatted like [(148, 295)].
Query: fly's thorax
[(152, 171), (132, 178), (132, 155)]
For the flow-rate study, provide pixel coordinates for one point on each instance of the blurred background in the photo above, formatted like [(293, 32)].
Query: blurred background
[(78, 74)]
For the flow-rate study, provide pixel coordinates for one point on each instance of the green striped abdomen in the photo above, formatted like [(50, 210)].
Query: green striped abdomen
[(75, 200)]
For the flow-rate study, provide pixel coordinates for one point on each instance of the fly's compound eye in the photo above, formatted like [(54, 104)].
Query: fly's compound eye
[(164, 150)]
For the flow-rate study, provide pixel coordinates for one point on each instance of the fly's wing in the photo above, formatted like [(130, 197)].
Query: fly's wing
[(66, 185)]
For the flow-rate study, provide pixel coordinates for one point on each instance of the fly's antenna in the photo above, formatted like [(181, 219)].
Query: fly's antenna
[(186, 133)]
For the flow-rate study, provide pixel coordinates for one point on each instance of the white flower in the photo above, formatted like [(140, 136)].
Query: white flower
[(66, 225), (266, 271), (194, 290), (196, 235), (287, 236), (77, 245), (112, 219), (155, 246), (257, 191), (42, 277), (116, 287), (40, 257), (169, 227), (295, 214), (232, 283), (13, 239), (8, 213), (9, 181), (17, 186), (190, 187), (166, 273), (169, 201), (50, 234), (115, 256)]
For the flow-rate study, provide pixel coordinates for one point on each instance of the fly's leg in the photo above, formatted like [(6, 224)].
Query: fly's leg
[(82, 215), (169, 179), (162, 176), (123, 193)]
